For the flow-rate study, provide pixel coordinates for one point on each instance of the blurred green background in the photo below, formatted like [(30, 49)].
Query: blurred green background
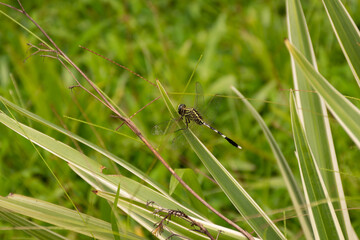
[(242, 45)]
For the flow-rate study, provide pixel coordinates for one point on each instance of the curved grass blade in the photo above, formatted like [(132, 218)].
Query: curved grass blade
[(347, 34), (35, 230), (62, 217), (291, 184), (115, 219), (322, 215), (126, 165), (313, 114), (344, 111)]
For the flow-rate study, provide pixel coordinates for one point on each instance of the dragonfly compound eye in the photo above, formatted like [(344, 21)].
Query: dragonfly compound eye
[(181, 108)]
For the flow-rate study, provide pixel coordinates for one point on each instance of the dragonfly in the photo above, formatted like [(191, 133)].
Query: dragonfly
[(191, 115)]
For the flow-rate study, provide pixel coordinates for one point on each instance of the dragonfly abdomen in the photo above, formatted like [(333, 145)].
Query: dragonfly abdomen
[(226, 138)]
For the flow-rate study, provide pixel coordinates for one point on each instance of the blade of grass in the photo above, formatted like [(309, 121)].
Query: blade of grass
[(322, 215), (313, 112), (291, 184), (347, 33), (344, 111), (60, 216), (31, 228), (134, 170), (114, 216)]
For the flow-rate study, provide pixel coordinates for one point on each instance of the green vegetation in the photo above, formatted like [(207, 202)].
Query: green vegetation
[(239, 44)]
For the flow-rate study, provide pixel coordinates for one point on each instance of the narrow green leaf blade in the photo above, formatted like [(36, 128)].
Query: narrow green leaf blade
[(343, 110), (314, 116), (114, 216), (123, 163), (31, 228), (60, 216), (321, 211), (347, 33), (291, 184)]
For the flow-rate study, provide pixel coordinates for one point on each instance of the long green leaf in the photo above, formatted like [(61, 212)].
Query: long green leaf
[(313, 113), (343, 110), (294, 191), (347, 33), (31, 228), (115, 217), (321, 211), (263, 225), (60, 216), (123, 163)]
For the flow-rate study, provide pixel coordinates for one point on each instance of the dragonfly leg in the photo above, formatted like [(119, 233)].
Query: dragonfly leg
[(187, 121)]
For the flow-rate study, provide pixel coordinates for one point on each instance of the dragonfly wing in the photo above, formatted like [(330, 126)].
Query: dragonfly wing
[(157, 130), (163, 128), (199, 97)]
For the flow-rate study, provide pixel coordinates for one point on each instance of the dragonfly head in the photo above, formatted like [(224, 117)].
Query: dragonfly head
[(181, 109)]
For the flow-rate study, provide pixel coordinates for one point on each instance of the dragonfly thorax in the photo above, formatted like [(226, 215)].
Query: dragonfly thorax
[(190, 114)]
